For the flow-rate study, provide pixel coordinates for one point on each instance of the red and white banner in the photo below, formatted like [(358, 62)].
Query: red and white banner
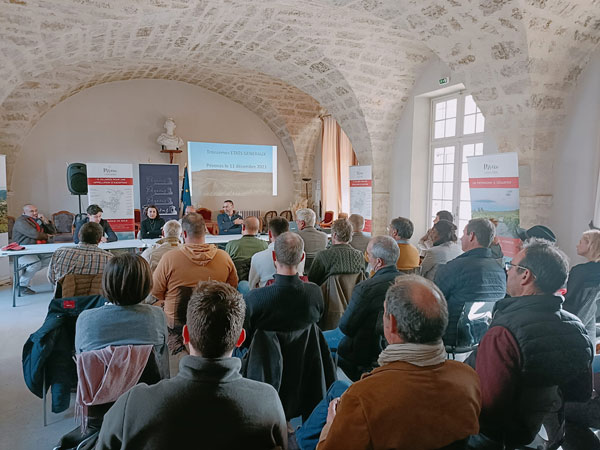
[(361, 193), (111, 187), (494, 186)]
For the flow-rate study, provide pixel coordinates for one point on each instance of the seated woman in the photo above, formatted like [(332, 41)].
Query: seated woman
[(583, 284), (150, 228), (124, 320), (444, 249)]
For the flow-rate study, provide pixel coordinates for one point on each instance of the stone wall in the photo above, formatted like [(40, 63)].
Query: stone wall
[(290, 61)]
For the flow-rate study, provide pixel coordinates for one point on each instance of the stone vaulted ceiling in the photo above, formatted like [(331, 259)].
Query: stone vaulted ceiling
[(289, 61)]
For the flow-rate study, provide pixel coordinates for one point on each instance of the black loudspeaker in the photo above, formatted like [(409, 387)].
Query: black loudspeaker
[(77, 179)]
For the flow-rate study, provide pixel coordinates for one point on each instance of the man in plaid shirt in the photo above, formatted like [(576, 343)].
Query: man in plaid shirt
[(85, 258)]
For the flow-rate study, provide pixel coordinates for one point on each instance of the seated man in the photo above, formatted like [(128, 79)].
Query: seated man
[(474, 276), (314, 240), (229, 221), (289, 303), (262, 266), (401, 229), (339, 258), (194, 261), (363, 338), (534, 356), (359, 239), (171, 232), (208, 401), (85, 258), (249, 243), (29, 229), (417, 399), (94, 214)]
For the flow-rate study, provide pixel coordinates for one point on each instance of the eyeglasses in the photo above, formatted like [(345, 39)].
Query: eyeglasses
[(508, 265)]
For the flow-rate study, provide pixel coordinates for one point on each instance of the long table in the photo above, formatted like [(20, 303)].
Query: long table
[(48, 249)]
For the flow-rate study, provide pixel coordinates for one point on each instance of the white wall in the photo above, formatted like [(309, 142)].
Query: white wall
[(119, 123), (409, 177), (577, 162)]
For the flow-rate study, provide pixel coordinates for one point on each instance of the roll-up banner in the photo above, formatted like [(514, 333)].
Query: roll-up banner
[(110, 186), (361, 193), (494, 188), (159, 186)]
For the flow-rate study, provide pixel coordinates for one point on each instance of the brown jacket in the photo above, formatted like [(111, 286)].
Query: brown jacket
[(186, 267), (403, 406)]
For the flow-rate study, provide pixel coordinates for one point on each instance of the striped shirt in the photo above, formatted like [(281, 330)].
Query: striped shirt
[(83, 259)]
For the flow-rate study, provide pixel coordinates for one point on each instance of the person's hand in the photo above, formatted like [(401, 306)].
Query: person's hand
[(103, 240), (42, 218), (238, 221), (332, 410)]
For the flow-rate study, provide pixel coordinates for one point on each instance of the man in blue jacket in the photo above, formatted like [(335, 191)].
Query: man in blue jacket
[(229, 221), (474, 276), (362, 322)]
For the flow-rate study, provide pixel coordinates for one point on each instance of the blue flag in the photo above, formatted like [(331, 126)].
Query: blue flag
[(186, 197)]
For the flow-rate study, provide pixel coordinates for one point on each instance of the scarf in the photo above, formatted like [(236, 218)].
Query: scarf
[(38, 229), (417, 354)]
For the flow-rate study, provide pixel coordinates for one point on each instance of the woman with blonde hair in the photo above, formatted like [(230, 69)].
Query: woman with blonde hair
[(583, 285)]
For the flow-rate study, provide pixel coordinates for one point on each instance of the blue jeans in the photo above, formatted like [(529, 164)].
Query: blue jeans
[(308, 434), (333, 338)]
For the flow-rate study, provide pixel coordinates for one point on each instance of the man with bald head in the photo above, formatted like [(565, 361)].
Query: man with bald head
[(416, 399), (30, 229), (249, 243)]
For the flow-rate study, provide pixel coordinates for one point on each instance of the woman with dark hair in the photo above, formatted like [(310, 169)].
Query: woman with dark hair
[(444, 249), (151, 227), (426, 241), (124, 319)]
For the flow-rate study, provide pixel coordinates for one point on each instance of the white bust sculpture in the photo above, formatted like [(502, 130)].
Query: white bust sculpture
[(168, 140)]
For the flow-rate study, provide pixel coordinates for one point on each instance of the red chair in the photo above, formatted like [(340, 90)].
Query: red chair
[(327, 220), (137, 218), (205, 213)]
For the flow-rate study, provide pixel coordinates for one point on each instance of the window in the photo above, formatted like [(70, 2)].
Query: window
[(457, 131)]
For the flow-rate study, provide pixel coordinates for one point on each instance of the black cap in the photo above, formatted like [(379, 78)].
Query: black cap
[(537, 231)]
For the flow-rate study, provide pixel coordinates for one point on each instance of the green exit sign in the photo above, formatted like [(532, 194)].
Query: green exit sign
[(444, 81)]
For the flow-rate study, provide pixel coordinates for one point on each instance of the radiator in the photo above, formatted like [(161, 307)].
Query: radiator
[(249, 212)]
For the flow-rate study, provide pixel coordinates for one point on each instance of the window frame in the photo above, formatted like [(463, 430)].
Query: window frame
[(458, 141)]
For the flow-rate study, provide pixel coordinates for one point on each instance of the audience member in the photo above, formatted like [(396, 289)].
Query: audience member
[(29, 229), (85, 258), (339, 258), (171, 239), (536, 231), (417, 399), (473, 276), (443, 249), (262, 266), (359, 239), (289, 303), (229, 221), (189, 209), (94, 214), (495, 247), (534, 354), (361, 326), (208, 402), (184, 267), (151, 227), (401, 229), (126, 282), (249, 243), (426, 241), (314, 240), (583, 285)]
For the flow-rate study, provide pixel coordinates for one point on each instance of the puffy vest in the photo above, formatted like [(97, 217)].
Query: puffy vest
[(555, 354)]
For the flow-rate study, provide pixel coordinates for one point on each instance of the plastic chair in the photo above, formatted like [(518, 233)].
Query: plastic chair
[(472, 324), (327, 220)]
